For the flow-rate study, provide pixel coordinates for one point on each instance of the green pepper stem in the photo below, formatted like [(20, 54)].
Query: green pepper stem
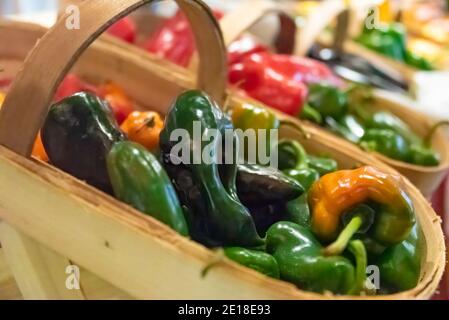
[(337, 247), (357, 248), (433, 130), (295, 126)]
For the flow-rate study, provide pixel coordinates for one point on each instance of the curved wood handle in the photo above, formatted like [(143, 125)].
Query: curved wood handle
[(26, 105), (240, 20)]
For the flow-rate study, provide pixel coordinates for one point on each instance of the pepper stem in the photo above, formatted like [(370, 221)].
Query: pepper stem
[(431, 133), (296, 126), (339, 245), (357, 248)]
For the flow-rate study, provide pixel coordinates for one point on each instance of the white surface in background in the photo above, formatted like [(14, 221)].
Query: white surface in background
[(432, 92)]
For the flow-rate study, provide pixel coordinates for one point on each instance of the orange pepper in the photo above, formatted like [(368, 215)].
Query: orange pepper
[(336, 193), (2, 98), (144, 128), (120, 103), (39, 150)]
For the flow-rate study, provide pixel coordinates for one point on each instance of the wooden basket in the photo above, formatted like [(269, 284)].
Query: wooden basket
[(119, 244)]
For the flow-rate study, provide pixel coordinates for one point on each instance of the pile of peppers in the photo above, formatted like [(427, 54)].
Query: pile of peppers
[(304, 222), (346, 112), (391, 40)]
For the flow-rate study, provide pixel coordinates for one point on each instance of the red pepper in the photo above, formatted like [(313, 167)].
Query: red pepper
[(124, 29), (71, 85), (174, 39), (243, 47), (278, 80)]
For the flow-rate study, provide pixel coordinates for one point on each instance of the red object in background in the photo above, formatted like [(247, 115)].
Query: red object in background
[(5, 83), (124, 29), (119, 102), (279, 80), (243, 47), (174, 39), (440, 202), (71, 85)]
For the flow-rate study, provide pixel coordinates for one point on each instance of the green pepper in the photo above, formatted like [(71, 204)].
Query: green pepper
[(265, 191), (391, 41), (422, 155), (78, 134), (139, 180), (322, 165), (418, 62), (293, 159), (341, 130), (311, 114), (400, 265), (328, 100), (257, 260), (386, 142), (216, 217), (387, 120), (301, 261)]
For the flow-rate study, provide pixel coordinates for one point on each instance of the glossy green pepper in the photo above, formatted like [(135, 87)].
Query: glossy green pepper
[(78, 134), (216, 217), (328, 100), (386, 142), (387, 120), (422, 155), (391, 41), (322, 165), (293, 159), (400, 265), (311, 114), (301, 261), (138, 179), (257, 260)]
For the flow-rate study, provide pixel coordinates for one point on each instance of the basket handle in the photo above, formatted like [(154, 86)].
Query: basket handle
[(247, 15), (26, 105), (316, 23)]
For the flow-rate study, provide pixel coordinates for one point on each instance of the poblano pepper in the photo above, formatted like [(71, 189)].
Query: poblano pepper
[(257, 260), (400, 265), (139, 180), (216, 217), (333, 197), (301, 261), (78, 134)]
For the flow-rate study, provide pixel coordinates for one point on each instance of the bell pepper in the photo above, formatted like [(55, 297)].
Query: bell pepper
[(39, 150), (244, 46), (144, 128), (250, 116), (139, 180), (174, 40), (400, 265), (311, 114), (257, 260), (278, 80), (216, 217), (2, 98), (301, 261), (334, 195), (124, 29), (71, 85), (118, 100), (78, 134), (328, 100), (386, 142)]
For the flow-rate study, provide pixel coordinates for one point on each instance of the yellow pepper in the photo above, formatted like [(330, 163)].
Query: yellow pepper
[(337, 193)]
